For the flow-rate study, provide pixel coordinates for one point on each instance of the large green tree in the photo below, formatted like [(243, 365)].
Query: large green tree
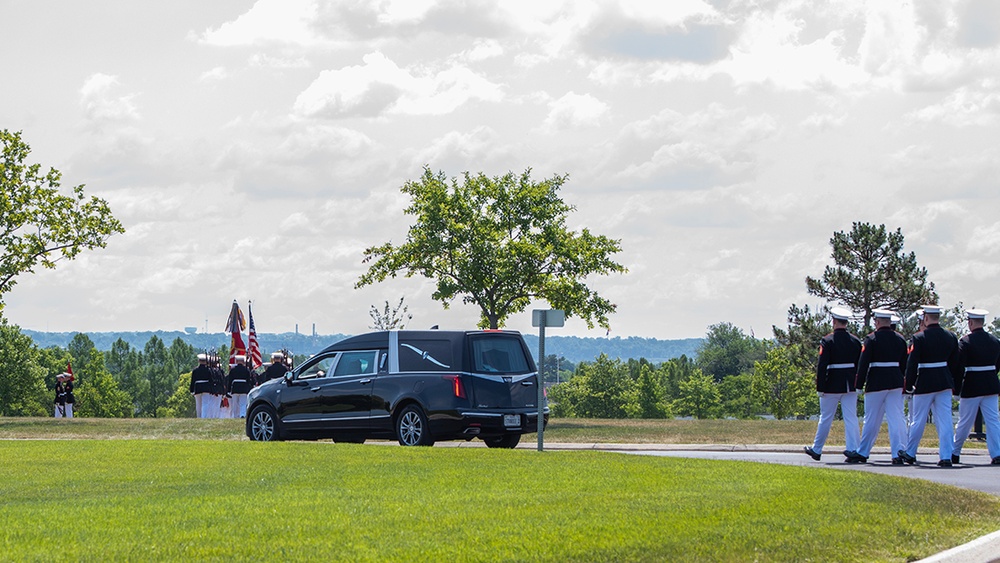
[(498, 243), (22, 379), (780, 387), (698, 397), (100, 396), (727, 350), (871, 271), (38, 224)]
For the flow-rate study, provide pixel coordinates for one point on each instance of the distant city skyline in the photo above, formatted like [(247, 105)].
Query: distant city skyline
[(253, 151)]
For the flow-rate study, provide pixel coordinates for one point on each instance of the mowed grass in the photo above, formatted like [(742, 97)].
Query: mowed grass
[(571, 430), (163, 500)]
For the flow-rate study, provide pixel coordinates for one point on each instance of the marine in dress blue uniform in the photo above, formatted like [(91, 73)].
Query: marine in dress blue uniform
[(239, 382), (277, 369), (880, 374), (200, 377), (930, 372), (64, 396), (977, 385), (835, 375)]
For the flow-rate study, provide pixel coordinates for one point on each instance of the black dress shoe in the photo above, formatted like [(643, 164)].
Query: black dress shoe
[(996, 461), (944, 463), (906, 457), (809, 451), (955, 459), (897, 461), (855, 457)]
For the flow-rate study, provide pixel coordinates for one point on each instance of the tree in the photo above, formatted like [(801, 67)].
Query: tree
[(599, 389), (649, 394), (737, 399), (100, 396), (779, 386), (498, 243), (181, 403), (727, 350), (79, 349), (38, 224), (805, 330), (161, 374), (391, 318), (871, 271), (699, 397), (22, 379)]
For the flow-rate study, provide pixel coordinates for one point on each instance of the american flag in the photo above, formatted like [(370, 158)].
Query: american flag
[(255, 359)]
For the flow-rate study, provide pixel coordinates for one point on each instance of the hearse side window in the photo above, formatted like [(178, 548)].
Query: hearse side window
[(498, 355), (320, 368), (356, 363), (425, 355)]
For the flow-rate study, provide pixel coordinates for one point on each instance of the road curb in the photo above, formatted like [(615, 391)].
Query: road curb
[(980, 550)]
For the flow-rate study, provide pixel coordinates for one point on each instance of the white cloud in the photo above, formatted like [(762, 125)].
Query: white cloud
[(269, 21), (674, 13), (267, 61), (575, 110), (100, 104), (381, 87), (217, 73), (482, 50), (770, 50), (965, 106)]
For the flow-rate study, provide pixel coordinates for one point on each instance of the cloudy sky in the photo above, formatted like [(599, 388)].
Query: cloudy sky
[(254, 149)]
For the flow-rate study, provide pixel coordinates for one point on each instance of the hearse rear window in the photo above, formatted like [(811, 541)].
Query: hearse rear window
[(426, 355), (497, 354)]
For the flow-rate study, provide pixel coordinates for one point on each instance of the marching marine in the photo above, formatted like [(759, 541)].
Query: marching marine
[(835, 374), (880, 374), (977, 384), (217, 389), (239, 383), (200, 377), (930, 371), (277, 369)]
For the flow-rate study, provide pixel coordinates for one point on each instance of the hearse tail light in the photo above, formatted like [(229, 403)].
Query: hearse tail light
[(457, 387)]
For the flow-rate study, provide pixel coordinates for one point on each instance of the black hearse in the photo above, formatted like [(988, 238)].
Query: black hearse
[(414, 386)]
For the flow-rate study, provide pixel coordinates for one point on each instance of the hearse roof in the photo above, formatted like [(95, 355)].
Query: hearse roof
[(380, 339)]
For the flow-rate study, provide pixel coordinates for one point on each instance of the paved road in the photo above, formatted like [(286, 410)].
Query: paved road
[(975, 471)]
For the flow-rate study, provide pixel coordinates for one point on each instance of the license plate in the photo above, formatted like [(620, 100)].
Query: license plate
[(511, 420)]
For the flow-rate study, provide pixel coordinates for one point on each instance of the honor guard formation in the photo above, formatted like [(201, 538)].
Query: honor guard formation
[(221, 395), (918, 379)]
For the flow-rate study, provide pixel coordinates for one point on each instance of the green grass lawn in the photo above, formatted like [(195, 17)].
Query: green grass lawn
[(101, 500)]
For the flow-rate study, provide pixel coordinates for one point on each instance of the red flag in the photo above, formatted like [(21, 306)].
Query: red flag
[(255, 359), (69, 368), (235, 326)]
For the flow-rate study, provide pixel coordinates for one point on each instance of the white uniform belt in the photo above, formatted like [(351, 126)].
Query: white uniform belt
[(201, 381), (930, 365), (839, 366), (884, 365), (239, 381), (981, 368)]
